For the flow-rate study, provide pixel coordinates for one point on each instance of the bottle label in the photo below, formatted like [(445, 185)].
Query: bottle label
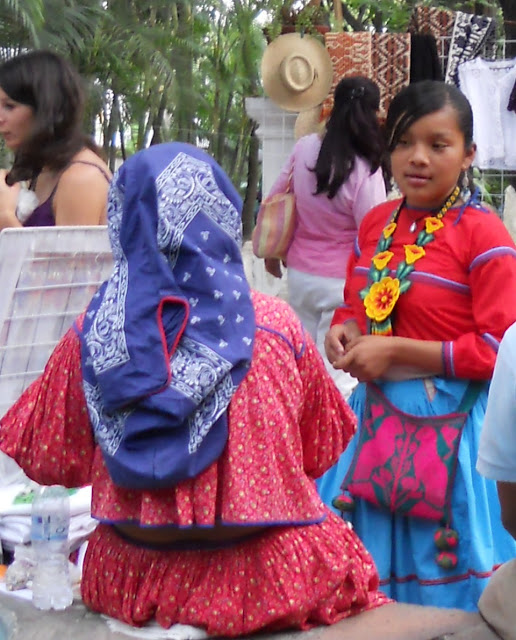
[(49, 528)]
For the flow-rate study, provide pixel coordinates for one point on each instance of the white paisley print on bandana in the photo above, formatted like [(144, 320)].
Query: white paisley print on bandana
[(108, 428), (106, 338), (196, 368), (186, 188), (169, 337)]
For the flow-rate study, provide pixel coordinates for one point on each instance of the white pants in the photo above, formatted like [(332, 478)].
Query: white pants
[(314, 299)]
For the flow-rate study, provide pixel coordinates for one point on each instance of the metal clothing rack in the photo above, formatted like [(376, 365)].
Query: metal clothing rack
[(492, 181)]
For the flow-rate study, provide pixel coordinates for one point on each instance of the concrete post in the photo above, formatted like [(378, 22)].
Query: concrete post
[(276, 134)]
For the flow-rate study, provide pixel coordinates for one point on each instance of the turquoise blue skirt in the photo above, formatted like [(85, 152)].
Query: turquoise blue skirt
[(403, 548)]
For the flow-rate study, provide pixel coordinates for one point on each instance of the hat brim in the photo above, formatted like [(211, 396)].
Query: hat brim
[(308, 122), (276, 90)]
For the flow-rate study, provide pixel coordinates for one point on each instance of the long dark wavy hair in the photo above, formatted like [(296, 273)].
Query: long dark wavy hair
[(352, 130), (48, 84)]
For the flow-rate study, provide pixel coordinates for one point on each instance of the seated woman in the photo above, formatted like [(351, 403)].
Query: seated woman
[(201, 413)]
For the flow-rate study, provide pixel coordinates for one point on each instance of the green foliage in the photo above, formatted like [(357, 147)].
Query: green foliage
[(20, 21), (180, 69), (393, 15), (293, 14)]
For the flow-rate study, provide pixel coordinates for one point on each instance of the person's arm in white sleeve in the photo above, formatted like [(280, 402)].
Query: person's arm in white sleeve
[(497, 449)]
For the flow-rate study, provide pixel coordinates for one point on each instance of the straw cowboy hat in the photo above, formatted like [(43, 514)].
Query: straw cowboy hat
[(496, 604), (296, 72), (309, 122)]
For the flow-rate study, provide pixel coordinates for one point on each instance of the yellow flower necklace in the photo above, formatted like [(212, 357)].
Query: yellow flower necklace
[(382, 292)]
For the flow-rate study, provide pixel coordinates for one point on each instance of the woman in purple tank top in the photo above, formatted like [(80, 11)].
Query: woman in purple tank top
[(41, 116)]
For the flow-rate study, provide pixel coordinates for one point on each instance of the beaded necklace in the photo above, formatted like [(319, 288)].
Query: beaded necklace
[(382, 292)]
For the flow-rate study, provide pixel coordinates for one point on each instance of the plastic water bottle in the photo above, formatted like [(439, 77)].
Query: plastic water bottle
[(51, 584)]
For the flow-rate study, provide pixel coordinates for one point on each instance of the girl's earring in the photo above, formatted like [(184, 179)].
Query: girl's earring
[(465, 191), (394, 190)]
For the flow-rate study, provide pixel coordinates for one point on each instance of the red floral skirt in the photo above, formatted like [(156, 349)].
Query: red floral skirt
[(289, 577)]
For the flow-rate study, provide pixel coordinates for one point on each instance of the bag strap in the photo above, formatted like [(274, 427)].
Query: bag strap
[(470, 395), (289, 181), (290, 178)]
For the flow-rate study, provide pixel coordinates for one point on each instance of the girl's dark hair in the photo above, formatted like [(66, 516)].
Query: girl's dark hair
[(422, 98), (46, 82), (352, 130)]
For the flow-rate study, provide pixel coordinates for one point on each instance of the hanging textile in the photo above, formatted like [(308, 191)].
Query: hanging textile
[(350, 55), (488, 85), (471, 36), (436, 22), (424, 59), (391, 65)]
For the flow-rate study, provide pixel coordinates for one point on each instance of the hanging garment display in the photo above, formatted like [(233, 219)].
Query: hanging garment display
[(437, 22), (488, 84), (391, 66), (424, 59), (350, 55), (471, 36)]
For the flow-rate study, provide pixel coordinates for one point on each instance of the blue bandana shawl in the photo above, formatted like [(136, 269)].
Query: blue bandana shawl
[(168, 338)]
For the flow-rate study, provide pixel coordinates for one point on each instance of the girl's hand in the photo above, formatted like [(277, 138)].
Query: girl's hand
[(367, 357), (336, 340), (8, 201)]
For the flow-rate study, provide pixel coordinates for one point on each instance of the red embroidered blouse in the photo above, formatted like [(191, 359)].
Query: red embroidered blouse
[(463, 290)]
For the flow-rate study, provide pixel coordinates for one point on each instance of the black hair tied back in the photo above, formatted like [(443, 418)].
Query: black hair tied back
[(357, 93)]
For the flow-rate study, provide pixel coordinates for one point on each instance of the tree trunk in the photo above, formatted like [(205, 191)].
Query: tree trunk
[(112, 129), (157, 123), (183, 64), (121, 131), (253, 173)]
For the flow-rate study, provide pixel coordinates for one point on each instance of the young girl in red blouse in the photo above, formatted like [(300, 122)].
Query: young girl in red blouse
[(430, 291)]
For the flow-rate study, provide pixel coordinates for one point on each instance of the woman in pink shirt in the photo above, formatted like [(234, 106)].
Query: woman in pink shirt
[(337, 178)]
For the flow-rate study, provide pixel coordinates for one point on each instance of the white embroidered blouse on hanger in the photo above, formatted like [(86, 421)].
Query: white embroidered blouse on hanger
[(488, 84)]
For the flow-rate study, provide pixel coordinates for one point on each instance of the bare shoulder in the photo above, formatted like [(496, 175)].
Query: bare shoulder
[(82, 190), (85, 168)]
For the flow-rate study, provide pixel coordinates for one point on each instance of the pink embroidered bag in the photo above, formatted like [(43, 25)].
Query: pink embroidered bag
[(406, 463), (275, 224)]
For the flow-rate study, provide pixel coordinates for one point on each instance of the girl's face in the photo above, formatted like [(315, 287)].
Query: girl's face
[(429, 158), (16, 120)]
